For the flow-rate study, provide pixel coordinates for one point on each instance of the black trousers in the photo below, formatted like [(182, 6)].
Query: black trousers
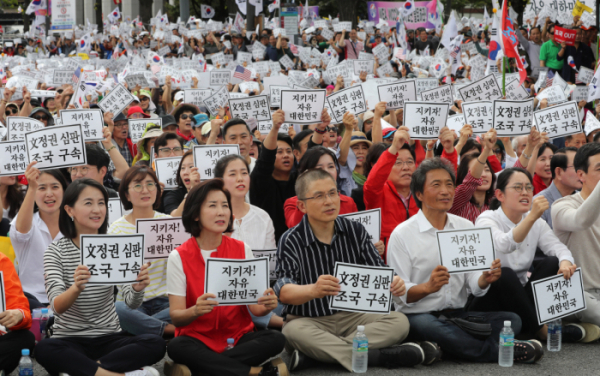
[(509, 295), (119, 352), (251, 350), (11, 345), (33, 302)]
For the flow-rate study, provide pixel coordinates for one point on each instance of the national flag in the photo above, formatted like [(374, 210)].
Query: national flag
[(242, 73), (36, 5), (455, 46), (114, 15), (19, 10), (273, 6), (580, 7), (571, 63), (549, 78), (76, 75), (487, 20), (85, 43), (305, 10), (408, 8), (154, 58), (401, 33), (207, 11), (293, 48), (509, 41), (434, 14)]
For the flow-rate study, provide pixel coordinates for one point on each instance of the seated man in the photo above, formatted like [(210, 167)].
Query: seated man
[(168, 145), (306, 256), (433, 295)]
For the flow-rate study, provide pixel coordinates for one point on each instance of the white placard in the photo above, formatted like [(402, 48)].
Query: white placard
[(486, 89), (244, 57), (218, 59), (348, 100), (196, 96), (249, 85), (439, 94), (560, 120), (116, 100), (166, 171), (114, 209), (396, 93), (236, 282), (516, 91), (468, 250), (271, 255), (17, 126), (363, 66), (303, 106), (206, 157), (585, 75), (591, 124), (456, 122), (580, 93), (381, 52), (163, 235), (43, 93), (13, 158), (424, 84), (513, 118), (556, 297), (425, 120), (371, 219), (480, 115), (138, 126), (385, 69), (554, 95), (220, 77), (363, 288), (56, 147), (61, 77), (217, 100), (275, 94), (256, 107), (286, 62), (112, 259), (91, 120)]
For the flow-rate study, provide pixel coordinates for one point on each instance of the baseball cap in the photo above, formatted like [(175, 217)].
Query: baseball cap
[(200, 120), (368, 115), (388, 132), (136, 110), (179, 96)]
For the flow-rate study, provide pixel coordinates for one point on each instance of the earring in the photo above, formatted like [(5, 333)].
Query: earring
[(72, 220)]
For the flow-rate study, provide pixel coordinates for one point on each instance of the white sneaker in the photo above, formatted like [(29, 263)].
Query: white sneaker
[(144, 371), (63, 374)]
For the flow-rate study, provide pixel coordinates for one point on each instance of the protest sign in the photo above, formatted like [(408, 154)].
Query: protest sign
[(17, 126), (271, 255), (456, 122), (516, 91), (486, 89), (468, 250), (580, 93), (303, 106), (347, 100), (585, 75), (116, 100), (559, 121), (138, 126), (554, 95), (2, 293), (385, 70), (91, 120), (264, 127), (163, 235), (371, 219), (363, 66), (250, 86), (363, 288), (112, 259), (62, 77), (244, 57), (556, 297), (256, 107), (218, 59), (424, 84), (428, 119), (591, 124), (114, 209), (56, 147), (206, 157), (13, 158), (275, 94), (236, 282), (480, 115), (513, 118), (381, 52), (441, 94), (396, 93), (217, 100), (220, 77), (166, 171), (196, 96), (286, 62), (564, 35)]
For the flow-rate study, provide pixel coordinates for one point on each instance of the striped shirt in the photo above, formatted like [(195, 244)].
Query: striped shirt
[(462, 205), (158, 268), (302, 258), (93, 314)]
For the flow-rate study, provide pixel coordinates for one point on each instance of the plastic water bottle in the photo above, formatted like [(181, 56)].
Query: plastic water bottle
[(25, 364), (360, 351), (43, 322), (507, 346), (230, 343), (554, 335)]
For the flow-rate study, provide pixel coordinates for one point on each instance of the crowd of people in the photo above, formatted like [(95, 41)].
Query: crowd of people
[(286, 190)]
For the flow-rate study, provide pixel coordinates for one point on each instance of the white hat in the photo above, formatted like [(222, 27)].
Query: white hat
[(179, 96)]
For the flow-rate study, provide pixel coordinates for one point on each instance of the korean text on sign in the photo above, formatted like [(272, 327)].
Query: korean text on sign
[(206, 157), (116, 100), (236, 282), (252, 107), (138, 126), (351, 99), (163, 235), (486, 89), (559, 121), (363, 288), (166, 171), (196, 96), (371, 219), (56, 147), (112, 259), (513, 118), (217, 100), (440, 94), (396, 93), (467, 250), (114, 209), (17, 126), (271, 255), (13, 158), (303, 106), (479, 115), (425, 120), (91, 120), (557, 297)]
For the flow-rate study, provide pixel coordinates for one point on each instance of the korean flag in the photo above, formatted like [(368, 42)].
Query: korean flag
[(207, 11)]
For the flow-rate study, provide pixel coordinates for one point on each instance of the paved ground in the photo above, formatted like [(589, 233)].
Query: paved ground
[(578, 359)]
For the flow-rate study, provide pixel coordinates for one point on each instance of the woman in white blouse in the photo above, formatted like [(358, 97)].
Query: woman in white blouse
[(251, 224), (517, 230)]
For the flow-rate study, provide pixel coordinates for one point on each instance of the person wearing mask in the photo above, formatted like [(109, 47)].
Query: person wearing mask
[(580, 53), (549, 53), (96, 167), (184, 116)]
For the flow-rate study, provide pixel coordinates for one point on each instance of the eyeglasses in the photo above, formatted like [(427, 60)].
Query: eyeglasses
[(321, 197), (83, 171), (497, 151), (519, 188), (409, 163), (186, 116), (176, 149), (9, 112), (140, 187), (40, 118), (137, 115)]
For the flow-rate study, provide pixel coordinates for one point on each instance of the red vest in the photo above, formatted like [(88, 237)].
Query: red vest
[(213, 328)]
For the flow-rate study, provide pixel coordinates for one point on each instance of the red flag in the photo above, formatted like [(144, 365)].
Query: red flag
[(510, 42)]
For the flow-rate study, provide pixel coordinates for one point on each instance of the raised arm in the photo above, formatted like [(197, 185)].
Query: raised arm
[(377, 131), (350, 121), (25, 216)]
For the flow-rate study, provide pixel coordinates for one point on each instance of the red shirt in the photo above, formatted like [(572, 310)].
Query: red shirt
[(462, 205), (293, 215), (538, 184)]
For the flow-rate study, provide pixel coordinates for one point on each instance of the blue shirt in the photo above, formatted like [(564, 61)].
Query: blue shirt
[(552, 194)]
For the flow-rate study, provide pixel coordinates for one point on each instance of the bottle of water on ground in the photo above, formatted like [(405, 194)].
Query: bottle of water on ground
[(25, 364), (230, 343), (360, 351), (554, 335), (507, 346), (43, 323)]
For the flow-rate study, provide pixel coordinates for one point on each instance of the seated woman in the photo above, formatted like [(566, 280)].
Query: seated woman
[(87, 339), (35, 227), (517, 230), (187, 177), (145, 144), (140, 193), (202, 326)]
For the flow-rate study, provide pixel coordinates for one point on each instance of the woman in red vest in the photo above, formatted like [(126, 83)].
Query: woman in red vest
[(203, 328)]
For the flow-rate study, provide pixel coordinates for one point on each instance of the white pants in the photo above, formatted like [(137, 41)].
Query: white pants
[(592, 313)]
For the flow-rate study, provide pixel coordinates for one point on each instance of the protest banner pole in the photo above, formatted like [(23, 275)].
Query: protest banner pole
[(504, 63)]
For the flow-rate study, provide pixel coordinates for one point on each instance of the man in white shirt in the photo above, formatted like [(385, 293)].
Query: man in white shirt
[(433, 295)]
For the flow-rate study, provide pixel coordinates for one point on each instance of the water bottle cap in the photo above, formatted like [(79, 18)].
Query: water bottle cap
[(25, 352), (44, 310), (361, 328), (507, 323), (230, 340)]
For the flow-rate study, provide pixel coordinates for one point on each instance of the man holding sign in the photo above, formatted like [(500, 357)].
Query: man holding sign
[(306, 284)]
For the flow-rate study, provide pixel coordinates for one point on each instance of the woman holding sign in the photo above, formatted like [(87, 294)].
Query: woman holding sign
[(87, 339), (203, 327), (518, 230)]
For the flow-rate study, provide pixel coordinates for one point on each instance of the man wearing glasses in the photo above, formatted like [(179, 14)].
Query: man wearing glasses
[(168, 145), (98, 161)]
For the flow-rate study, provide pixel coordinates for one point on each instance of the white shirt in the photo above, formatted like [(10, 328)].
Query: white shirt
[(413, 253), (255, 229), (29, 249), (519, 256), (251, 166)]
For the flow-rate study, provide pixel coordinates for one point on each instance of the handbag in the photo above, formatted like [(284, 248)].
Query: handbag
[(476, 326)]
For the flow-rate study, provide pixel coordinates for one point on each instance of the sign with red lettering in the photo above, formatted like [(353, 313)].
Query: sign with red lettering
[(564, 35)]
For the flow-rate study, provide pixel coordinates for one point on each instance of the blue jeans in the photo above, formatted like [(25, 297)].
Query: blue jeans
[(262, 322), (457, 343), (151, 318)]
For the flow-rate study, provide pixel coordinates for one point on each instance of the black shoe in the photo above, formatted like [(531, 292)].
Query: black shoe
[(275, 367), (298, 361), (432, 351), (405, 355), (528, 352), (572, 333)]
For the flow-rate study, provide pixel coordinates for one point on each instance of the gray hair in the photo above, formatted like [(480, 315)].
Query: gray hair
[(417, 184), (308, 177), (515, 142)]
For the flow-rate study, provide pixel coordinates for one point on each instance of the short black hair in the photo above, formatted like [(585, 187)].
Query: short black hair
[(233, 122), (135, 174), (582, 158), (163, 139), (310, 159), (58, 175), (191, 216), (503, 180), (463, 170), (70, 197), (560, 159), (299, 137), (97, 156), (469, 144), (373, 155), (417, 184), (285, 138), (224, 162), (178, 179), (308, 177), (545, 146)]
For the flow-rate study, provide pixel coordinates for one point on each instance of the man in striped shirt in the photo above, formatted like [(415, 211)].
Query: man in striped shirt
[(307, 255)]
